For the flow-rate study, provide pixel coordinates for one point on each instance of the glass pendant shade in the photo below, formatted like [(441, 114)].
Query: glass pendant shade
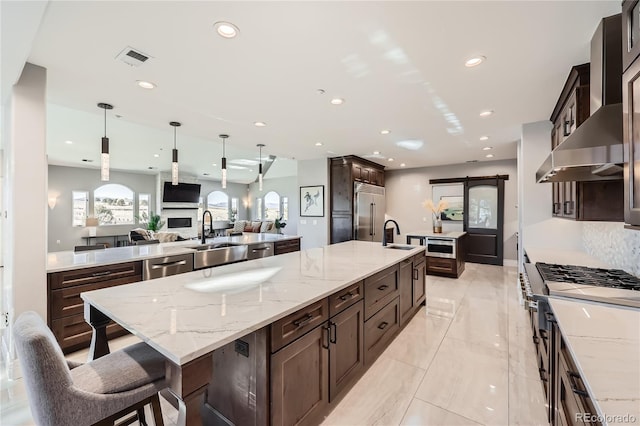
[(104, 156), (174, 164)]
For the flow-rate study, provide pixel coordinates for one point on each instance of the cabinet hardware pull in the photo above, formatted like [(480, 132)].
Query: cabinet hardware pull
[(415, 274), (259, 249), (383, 287), (383, 325), (101, 274), (346, 296), (325, 337), (334, 332), (303, 320), (567, 126), (574, 386), (165, 265)]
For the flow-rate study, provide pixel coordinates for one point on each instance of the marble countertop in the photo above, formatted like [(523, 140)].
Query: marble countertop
[(188, 315), (605, 344), (563, 257), (69, 260), (450, 234)]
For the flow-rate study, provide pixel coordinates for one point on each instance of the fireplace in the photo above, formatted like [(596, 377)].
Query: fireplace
[(179, 222)]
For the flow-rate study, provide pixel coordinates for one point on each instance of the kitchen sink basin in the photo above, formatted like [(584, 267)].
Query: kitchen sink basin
[(208, 255), (400, 247)]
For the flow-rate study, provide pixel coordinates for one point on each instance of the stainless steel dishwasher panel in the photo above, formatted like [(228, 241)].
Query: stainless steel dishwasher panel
[(218, 254), (166, 266), (256, 251)]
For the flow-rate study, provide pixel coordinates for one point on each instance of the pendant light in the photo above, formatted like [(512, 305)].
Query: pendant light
[(260, 146), (104, 157), (174, 164), (224, 161)]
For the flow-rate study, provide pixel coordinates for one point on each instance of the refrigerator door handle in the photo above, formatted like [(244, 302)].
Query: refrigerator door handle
[(373, 219), (371, 222)]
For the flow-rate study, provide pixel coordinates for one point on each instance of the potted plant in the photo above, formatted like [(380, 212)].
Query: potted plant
[(153, 222), (280, 224)]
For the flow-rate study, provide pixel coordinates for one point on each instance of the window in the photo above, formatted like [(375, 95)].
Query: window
[(80, 207), (271, 205), (143, 207), (113, 204), (218, 205), (259, 208), (234, 209), (285, 208)]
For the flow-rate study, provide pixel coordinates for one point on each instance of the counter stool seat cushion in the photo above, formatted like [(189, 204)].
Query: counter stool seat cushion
[(137, 365)]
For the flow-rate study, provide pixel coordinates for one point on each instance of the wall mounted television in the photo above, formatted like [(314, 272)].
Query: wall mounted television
[(181, 193)]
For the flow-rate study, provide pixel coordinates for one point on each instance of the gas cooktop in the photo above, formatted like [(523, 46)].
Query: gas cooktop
[(613, 278), (603, 285)]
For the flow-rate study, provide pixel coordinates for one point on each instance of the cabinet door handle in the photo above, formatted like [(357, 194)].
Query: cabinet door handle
[(567, 127), (101, 274), (383, 287), (325, 337), (333, 333), (303, 320), (568, 207), (346, 296), (574, 387), (166, 265), (383, 325)]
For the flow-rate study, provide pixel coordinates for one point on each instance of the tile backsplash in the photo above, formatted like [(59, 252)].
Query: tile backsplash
[(610, 242)]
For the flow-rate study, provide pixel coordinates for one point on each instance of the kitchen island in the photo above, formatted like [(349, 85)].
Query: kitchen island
[(295, 298), (445, 251)]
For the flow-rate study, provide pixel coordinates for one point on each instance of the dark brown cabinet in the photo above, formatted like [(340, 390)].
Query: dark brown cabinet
[(346, 349), (405, 285), (345, 171), (630, 32), (419, 279), (286, 246), (631, 133), (65, 312)]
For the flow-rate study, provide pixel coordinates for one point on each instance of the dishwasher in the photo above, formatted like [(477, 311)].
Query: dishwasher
[(256, 251), (165, 266)]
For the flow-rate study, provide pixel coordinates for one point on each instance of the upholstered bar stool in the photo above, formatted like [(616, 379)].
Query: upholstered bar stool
[(98, 392)]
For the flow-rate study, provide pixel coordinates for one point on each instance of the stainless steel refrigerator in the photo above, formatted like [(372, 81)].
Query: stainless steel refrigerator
[(369, 209)]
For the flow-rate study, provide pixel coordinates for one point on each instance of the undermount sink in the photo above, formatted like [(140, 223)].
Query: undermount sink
[(208, 255), (400, 247)]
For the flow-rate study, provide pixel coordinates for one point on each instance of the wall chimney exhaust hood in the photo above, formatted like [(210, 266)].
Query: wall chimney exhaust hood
[(594, 150)]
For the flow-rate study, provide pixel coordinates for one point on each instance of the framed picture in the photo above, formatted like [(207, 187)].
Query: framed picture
[(455, 211), (312, 201)]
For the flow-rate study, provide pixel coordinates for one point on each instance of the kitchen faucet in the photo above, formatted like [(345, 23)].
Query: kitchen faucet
[(384, 228), (210, 223)]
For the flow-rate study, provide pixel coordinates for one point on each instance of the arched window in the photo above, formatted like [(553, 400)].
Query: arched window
[(113, 204), (271, 205), (218, 205)]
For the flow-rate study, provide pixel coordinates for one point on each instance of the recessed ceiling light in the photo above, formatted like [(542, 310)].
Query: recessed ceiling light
[(260, 124), (214, 165), (402, 164), (146, 84), (489, 155), (318, 143), (250, 170), (226, 29), (475, 61), (150, 167), (86, 160), (320, 91), (156, 155), (486, 113), (487, 148), (376, 152), (68, 142), (484, 138), (385, 132), (205, 174), (337, 101), (389, 159)]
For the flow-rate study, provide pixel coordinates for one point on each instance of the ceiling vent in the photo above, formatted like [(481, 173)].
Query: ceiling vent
[(132, 57)]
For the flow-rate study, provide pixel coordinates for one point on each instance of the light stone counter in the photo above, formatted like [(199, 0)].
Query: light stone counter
[(605, 344), (563, 257), (69, 260), (428, 234), (189, 315)]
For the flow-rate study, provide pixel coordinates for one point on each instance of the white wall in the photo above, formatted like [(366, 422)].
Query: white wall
[(314, 230), (285, 187), (406, 190), (63, 180), (26, 186)]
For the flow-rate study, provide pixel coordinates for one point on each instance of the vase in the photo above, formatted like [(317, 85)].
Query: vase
[(437, 226)]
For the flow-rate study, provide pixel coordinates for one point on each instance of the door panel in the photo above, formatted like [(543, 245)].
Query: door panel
[(364, 213), (484, 220)]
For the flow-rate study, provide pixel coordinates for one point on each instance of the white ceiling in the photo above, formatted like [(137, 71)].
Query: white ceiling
[(398, 65)]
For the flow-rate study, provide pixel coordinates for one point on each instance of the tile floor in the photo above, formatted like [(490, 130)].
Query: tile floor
[(465, 359)]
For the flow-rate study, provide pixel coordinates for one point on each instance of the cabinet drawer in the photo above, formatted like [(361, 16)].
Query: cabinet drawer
[(289, 246), (345, 298), (418, 258), (379, 330), (74, 333), (380, 289), (121, 273), (438, 264), (289, 328), (66, 301)]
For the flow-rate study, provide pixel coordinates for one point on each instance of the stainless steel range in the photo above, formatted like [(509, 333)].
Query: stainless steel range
[(602, 285)]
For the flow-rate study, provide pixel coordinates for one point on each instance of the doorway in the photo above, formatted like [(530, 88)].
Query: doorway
[(484, 220)]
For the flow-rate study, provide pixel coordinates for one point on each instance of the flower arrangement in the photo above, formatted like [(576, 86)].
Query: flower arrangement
[(436, 210)]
